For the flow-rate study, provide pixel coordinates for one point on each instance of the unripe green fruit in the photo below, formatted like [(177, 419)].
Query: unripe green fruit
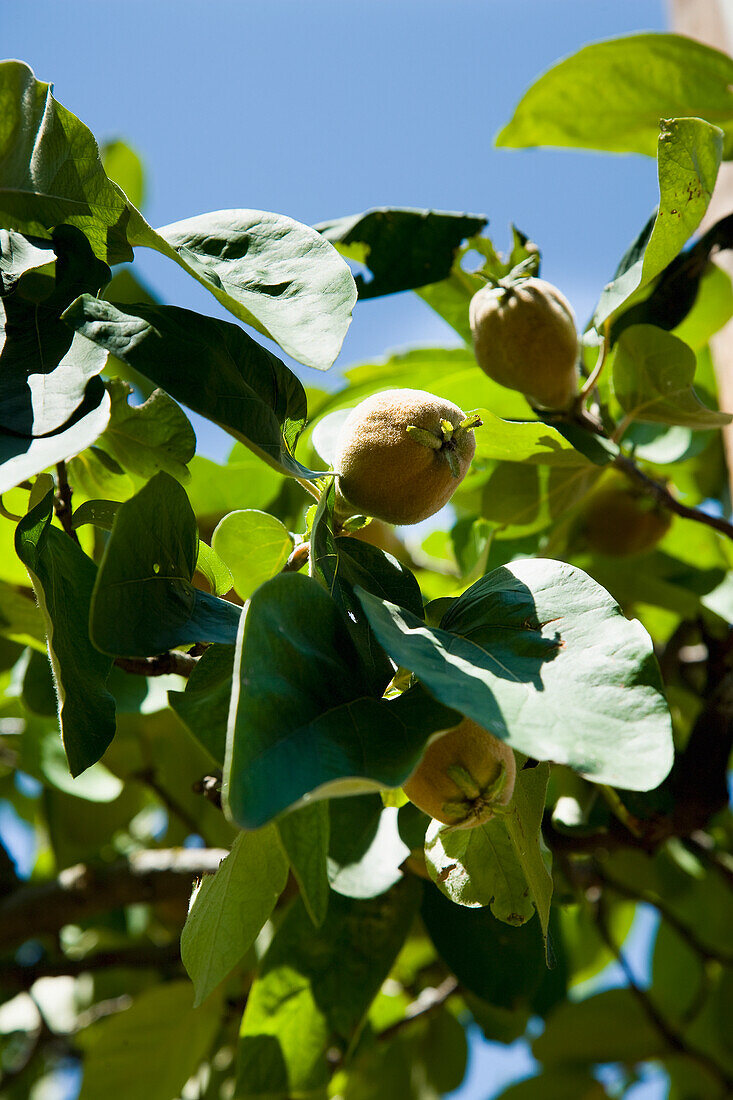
[(463, 776), (400, 456), (525, 338), (619, 522)]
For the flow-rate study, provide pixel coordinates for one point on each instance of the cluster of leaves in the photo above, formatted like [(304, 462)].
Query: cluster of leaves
[(225, 663)]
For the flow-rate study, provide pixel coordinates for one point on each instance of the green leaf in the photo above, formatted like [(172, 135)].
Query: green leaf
[(691, 295), (214, 569), (143, 601), (501, 964), (52, 401), (151, 1048), (595, 100), (52, 172), (271, 272), (500, 862), (446, 372), (210, 366), (245, 481), (42, 756), (688, 158), (143, 439), (228, 909), (314, 989), (63, 578), (125, 168), (402, 248), (544, 658), (341, 564), (303, 717), (366, 850), (304, 835), (254, 546), (20, 619), (610, 1027), (204, 706), (565, 1084), (653, 373), (533, 441), (478, 867)]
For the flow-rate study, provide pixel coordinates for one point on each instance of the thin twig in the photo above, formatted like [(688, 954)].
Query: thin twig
[(663, 496), (649, 898), (62, 502), (148, 777), (669, 1034), (182, 664), (82, 892), (144, 957), (425, 1003), (600, 363), (297, 559)]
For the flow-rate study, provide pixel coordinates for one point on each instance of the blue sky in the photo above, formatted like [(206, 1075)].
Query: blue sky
[(329, 107)]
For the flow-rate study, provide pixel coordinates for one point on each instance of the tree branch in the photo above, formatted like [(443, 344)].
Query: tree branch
[(81, 892), (182, 664), (16, 979), (426, 1002), (62, 502), (673, 1039)]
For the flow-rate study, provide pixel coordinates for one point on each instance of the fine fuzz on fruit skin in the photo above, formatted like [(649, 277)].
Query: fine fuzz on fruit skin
[(525, 338), (619, 522), (400, 456), (463, 776)]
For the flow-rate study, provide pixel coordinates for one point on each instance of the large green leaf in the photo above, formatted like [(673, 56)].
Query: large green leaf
[(314, 989), (143, 439), (532, 441), (204, 706), (123, 165), (653, 373), (270, 271), (63, 578), (366, 851), (151, 1048), (499, 963), (500, 862), (274, 273), (402, 248), (144, 602), (304, 834), (340, 564), (52, 172), (688, 157), (254, 545), (544, 658), (211, 366), (610, 1027), (229, 908), (245, 481), (52, 404), (303, 717), (611, 95)]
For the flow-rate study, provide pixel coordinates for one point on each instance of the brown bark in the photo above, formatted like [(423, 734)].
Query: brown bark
[(82, 892)]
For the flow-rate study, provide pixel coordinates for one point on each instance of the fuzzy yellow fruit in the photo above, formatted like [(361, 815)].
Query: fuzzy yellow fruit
[(464, 774), (619, 522), (525, 338), (401, 454)]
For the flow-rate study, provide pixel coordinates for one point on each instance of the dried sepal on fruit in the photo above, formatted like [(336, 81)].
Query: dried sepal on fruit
[(525, 338), (401, 454), (464, 775)]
